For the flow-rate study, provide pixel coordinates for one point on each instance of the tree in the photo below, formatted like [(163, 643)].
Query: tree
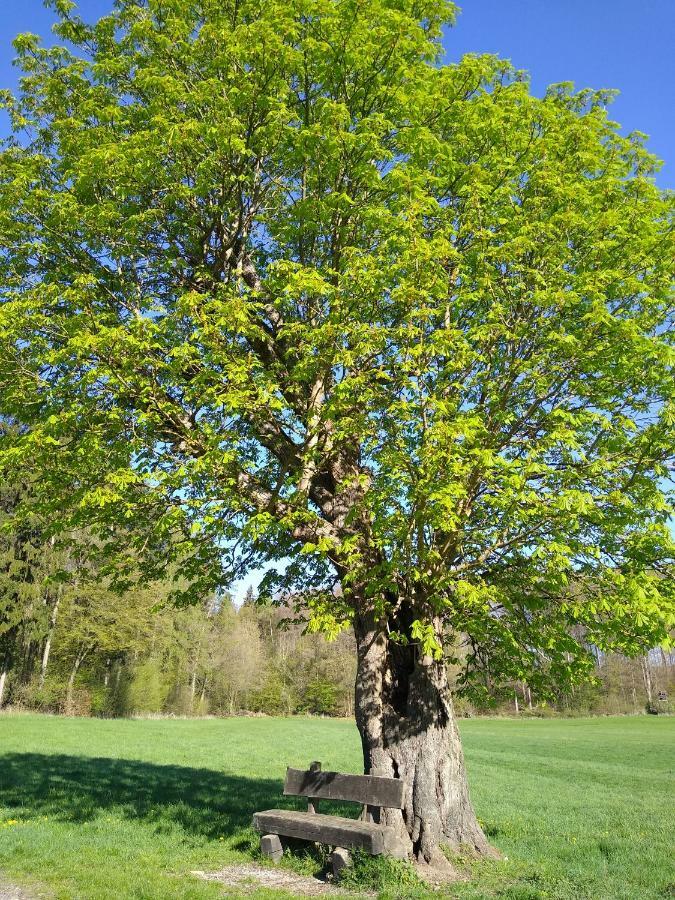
[(279, 284), (94, 620), (17, 589), (28, 598), (237, 658)]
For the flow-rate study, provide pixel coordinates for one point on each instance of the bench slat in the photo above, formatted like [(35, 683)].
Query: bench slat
[(372, 790), (333, 830)]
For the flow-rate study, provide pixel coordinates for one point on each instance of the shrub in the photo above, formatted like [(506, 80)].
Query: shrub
[(464, 708), (79, 703), (148, 691), (320, 697), (274, 697)]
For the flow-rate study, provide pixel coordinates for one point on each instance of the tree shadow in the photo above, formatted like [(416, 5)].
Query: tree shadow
[(202, 802)]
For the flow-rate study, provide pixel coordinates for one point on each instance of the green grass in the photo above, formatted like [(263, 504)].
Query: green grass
[(126, 809)]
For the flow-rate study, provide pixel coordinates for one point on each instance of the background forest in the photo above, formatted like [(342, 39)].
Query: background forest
[(70, 644)]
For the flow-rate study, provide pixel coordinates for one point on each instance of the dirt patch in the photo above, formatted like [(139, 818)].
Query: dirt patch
[(247, 878), (250, 877), (13, 892), (440, 874)]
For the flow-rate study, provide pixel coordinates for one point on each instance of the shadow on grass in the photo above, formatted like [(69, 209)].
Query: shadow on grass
[(202, 802)]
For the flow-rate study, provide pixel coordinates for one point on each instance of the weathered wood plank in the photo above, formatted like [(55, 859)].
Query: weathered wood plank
[(333, 830), (372, 790)]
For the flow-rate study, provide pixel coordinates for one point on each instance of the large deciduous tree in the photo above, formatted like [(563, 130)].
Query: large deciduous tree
[(278, 285)]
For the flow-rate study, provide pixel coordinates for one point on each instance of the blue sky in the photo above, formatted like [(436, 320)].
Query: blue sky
[(595, 43)]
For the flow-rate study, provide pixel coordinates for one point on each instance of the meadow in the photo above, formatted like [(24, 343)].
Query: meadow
[(102, 809)]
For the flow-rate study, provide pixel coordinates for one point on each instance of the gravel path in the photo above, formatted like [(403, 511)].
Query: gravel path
[(252, 877), (12, 891)]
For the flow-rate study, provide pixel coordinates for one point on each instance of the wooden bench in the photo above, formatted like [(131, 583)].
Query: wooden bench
[(372, 791)]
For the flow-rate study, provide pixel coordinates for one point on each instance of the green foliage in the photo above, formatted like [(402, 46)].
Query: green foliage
[(148, 689), (320, 697), (389, 877), (44, 698), (117, 694), (274, 697), (27, 566), (73, 645), (278, 284)]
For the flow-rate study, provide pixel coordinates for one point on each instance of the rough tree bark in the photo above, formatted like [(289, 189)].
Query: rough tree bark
[(405, 718)]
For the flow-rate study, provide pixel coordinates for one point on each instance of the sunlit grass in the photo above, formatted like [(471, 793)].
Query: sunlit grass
[(127, 809)]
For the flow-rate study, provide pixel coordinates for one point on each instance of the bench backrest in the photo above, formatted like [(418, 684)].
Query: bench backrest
[(371, 790)]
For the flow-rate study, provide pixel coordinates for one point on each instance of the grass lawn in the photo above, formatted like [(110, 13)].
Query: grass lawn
[(96, 809)]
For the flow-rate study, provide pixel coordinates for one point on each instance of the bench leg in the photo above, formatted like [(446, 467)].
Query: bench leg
[(270, 846), (340, 859)]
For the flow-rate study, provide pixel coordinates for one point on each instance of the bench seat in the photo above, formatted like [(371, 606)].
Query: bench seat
[(333, 830), (372, 792)]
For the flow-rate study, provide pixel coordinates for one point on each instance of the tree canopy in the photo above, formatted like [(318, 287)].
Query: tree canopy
[(278, 285)]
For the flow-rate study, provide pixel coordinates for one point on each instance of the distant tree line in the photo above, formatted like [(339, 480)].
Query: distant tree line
[(69, 643)]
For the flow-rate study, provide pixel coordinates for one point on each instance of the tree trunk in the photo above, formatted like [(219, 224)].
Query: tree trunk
[(48, 643), (647, 676), (193, 689), (405, 718), (79, 659), (3, 680), (45, 659), (69, 691)]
